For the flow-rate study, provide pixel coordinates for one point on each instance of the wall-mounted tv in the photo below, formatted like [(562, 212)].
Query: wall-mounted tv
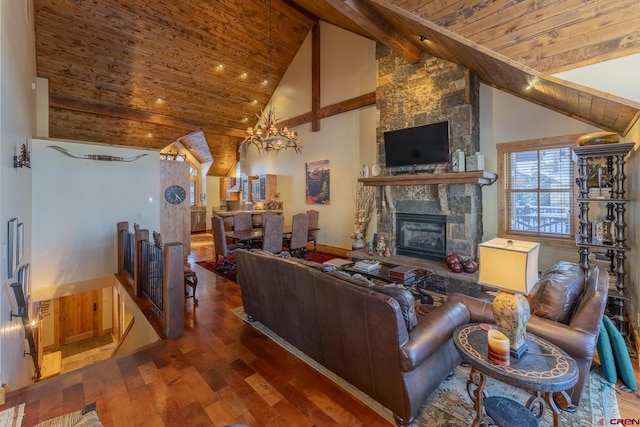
[(420, 145)]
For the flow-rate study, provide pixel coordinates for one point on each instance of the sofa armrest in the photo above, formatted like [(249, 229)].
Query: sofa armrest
[(480, 311), (577, 344), (433, 331)]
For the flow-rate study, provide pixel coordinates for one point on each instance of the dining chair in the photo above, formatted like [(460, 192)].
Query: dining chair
[(299, 233), (242, 221), (263, 217), (314, 216), (272, 239), (220, 246)]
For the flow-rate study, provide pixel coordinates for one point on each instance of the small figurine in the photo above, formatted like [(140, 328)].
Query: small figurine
[(381, 246), (387, 252), (370, 247)]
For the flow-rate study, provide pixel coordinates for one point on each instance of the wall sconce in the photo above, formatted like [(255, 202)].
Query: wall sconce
[(18, 314), (17, 290), (22, 159)]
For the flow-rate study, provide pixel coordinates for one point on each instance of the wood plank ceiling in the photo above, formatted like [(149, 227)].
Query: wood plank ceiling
[(145, 74)]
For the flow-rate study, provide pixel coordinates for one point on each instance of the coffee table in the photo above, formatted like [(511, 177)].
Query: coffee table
[(545, 371)]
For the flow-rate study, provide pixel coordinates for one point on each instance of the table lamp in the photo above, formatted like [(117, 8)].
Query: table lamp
[(512, 267)]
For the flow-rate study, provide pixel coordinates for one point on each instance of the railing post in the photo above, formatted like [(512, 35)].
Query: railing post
[(122, 226), (173, 288), (137, 261)]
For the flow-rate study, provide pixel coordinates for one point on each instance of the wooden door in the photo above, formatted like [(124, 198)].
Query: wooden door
[(79, 316)]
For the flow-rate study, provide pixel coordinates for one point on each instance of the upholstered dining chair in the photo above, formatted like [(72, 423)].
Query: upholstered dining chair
[(263, 217), (242, 221), (272, 239), (299, 233), (314, 217), (220, 246)]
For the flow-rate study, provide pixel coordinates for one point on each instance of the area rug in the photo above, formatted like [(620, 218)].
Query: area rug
[(231, 275), (211, 266), (12, 417), (450, 404)]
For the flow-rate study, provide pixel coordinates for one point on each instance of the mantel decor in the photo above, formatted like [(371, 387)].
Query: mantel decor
[(364, 198)]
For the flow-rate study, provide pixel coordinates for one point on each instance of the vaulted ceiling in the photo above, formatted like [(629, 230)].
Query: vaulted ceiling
[(145, 74)]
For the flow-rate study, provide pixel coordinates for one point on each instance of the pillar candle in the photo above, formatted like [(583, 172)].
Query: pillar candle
[(498, 346)]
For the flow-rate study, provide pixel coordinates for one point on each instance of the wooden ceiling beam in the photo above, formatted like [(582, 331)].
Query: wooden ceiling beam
[(365, 16), (139, 115), (332, 110)]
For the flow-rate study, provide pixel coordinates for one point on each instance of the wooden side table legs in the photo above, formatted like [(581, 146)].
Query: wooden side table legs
[(475, 387)]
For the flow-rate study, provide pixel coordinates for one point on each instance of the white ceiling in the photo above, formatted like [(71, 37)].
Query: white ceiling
[(618, 77)]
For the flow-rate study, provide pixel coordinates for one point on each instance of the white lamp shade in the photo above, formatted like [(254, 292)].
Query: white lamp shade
[(511, 265)]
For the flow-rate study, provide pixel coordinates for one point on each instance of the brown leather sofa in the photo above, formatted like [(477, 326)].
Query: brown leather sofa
[(369, 336), (565, 310)]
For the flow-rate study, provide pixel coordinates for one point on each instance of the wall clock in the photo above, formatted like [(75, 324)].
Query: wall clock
[(175, 194)]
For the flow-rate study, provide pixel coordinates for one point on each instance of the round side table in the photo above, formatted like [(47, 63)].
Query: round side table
[(544, 370)]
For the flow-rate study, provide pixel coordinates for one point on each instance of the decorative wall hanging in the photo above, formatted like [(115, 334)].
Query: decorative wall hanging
[(102, 157), (317, 177), (22, 158), (20, 248), (12, 253)]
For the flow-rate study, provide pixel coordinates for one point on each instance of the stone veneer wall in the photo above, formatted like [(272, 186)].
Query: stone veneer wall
[(431, 91)]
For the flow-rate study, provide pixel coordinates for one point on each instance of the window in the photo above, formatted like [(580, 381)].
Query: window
[(537, 190), (193, 176)]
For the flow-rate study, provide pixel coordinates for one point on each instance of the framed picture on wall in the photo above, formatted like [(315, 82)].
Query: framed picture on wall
[(23, 279), (12, 250), (317, 180), (20, 248)]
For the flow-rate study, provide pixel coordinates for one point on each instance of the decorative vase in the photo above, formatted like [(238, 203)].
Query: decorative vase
[(358, 243)]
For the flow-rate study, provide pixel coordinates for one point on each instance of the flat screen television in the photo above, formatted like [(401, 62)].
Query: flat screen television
[(420, 145)]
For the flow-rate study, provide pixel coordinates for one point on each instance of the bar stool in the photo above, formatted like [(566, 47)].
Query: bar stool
[(190, 280)]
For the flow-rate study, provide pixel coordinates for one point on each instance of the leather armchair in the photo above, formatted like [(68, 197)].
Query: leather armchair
[(578, 336)]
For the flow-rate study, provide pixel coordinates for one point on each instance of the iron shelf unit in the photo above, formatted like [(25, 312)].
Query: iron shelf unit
[(615, 203)]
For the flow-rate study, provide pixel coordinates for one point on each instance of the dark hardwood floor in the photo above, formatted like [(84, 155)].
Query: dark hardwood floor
[(220, 372)]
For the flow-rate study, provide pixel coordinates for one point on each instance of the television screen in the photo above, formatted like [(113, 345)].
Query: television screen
[(420, 145)]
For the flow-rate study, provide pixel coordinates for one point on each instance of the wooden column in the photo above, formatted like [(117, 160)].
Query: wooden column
[(173, 289)]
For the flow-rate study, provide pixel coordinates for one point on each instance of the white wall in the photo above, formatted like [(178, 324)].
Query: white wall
[(348, 69), (505, 118), (77, 204), (17, 121)]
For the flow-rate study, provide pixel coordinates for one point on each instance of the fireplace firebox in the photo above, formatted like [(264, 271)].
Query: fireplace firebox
[(421, 235)]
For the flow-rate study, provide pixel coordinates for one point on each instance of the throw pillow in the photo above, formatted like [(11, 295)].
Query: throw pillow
[(556, 294)]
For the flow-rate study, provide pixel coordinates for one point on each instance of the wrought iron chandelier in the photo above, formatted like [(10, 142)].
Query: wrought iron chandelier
[(270, 138)]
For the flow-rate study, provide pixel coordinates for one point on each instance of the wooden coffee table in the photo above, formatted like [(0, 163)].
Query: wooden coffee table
[(544, 371)]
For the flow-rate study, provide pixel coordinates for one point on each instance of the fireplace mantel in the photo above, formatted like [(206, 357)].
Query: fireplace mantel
[(475, 177)]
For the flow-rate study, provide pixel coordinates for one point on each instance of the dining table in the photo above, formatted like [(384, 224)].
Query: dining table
[(257, 233)]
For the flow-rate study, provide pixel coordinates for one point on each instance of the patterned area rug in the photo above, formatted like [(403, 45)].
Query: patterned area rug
[(211, 266), (450, 405), (12, 417)]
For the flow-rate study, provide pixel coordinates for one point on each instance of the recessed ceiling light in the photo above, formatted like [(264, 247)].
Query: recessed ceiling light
[(149, 134), (220, 67), (265, 82), (159, 100), (255, 101), (244, 75), (245, 119)]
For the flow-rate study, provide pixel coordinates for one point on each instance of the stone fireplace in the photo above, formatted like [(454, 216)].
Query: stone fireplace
[(430, 91)]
